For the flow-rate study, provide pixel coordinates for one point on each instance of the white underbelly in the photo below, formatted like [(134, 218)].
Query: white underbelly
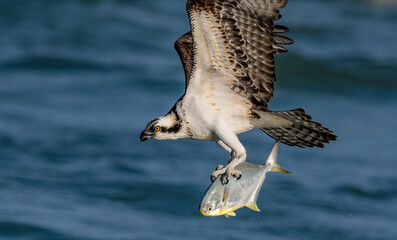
[(213, 101)]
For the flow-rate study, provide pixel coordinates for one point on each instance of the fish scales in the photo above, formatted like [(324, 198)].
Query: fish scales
[(224, 199)]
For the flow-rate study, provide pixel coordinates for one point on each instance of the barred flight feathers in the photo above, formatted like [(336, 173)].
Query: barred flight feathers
[(184, 47), (232, 43), (239, 40), (303, 133), (228, 58)]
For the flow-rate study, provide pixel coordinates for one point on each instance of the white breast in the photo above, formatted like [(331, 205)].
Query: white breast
[(209, 97)]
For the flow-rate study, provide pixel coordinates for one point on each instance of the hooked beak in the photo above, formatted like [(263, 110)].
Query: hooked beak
[(145, 135)]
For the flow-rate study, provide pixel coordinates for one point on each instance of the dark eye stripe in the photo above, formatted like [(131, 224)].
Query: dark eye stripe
[(173, 129)]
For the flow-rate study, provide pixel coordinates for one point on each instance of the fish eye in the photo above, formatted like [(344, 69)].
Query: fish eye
[(209, 209), (157, 128)]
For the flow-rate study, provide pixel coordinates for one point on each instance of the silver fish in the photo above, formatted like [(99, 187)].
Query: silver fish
[(225, 199)]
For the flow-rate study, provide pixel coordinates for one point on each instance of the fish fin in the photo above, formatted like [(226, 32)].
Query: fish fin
[(253, 206), (230, 214), (272, 158), (278, 168), (225, 196), (252, 203)]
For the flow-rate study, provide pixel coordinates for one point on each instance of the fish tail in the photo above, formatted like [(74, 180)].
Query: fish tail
[(272, 158), (278, 168)]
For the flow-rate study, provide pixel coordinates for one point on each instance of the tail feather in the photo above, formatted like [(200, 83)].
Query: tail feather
[(303, 133)]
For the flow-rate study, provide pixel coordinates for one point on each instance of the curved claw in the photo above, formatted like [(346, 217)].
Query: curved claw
[(225, 179), (238, 178), (225, 173), (236, 174), (212, 178), (218, 171)]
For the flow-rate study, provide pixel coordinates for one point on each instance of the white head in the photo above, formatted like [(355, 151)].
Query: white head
[(169, 126)]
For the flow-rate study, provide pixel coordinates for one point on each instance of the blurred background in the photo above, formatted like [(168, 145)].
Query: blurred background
[(79, 80)]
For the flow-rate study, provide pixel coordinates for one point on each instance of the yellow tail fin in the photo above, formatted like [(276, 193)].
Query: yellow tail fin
[(278, 168)]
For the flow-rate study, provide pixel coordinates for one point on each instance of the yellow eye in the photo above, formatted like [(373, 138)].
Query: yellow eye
[(157, 128)]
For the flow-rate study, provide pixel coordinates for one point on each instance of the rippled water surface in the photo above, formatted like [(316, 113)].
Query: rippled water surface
[(80, 80)]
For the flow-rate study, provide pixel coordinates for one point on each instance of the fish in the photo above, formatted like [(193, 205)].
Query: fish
[(224, 199)]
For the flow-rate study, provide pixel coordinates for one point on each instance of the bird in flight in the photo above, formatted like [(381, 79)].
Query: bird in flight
[(228, 59)]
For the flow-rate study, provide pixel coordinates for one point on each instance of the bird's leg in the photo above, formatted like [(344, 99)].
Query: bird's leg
[(224, 146), (219, 167), (232, 156), (228, 140), (227, 149), (228, 171)]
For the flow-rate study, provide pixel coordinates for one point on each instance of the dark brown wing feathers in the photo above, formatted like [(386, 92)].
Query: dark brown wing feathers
[(244, 32), (249, 29), (184, 47)]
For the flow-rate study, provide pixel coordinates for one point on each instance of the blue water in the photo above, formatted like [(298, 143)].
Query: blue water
[(80, 79)]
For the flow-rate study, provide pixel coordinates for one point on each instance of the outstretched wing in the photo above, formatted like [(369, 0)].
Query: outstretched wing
[(236, 38), (184, 47)]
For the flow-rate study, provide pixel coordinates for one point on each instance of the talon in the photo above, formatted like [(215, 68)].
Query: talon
[(236, 174), (224, 179), (219, 167), (212, 178), (226, 173), (219, 172)]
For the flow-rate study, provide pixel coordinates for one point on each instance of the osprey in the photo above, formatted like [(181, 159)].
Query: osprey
[(228, 59)]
